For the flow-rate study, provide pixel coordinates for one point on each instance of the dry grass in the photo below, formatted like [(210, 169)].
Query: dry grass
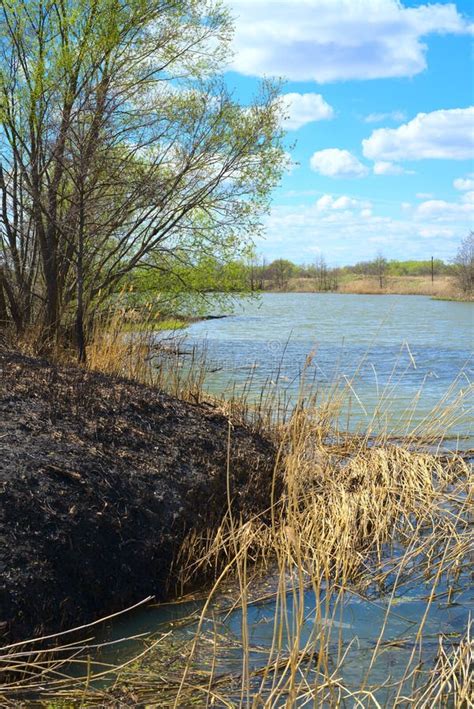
[(443, 286), (362, 515), (139, 355), (347, 509)]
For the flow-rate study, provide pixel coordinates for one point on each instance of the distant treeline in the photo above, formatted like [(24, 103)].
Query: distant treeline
[(210, 274), (176, 276)]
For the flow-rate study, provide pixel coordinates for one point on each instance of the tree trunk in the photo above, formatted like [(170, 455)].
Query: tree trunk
[(80, 336)]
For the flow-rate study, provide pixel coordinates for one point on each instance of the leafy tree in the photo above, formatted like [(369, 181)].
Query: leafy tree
[(119, 141), (179, 285), (280, 271)]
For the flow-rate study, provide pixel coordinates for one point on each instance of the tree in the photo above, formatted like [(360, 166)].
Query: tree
[(119, 141), (380, 268), (280, 271), (464, 265), (321, 270)]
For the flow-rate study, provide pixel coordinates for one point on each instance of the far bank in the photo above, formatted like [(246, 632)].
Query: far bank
[(442, 287)]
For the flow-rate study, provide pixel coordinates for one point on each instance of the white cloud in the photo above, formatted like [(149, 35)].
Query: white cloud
[(331, 40), (468, 197), (290, 165), (464, 183), (388, 168), (424, 195), (445, 134), (345, 203), (324, 203), (431, 232), (396, 116), (334, 162), (305, 108), (441, 210), (327, 202)]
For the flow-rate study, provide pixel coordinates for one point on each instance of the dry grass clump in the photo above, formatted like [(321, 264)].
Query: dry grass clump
[(356, 517), (141, 356), (450, 682)]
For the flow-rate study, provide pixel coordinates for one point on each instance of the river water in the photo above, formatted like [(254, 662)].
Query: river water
[(385, 351), (394, 355)]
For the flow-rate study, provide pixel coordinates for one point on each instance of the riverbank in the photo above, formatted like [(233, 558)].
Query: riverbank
[(443, 287), (101, 481), (169, 324)]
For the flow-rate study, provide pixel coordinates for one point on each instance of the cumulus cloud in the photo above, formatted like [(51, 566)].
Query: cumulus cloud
[(347, 235), (445, 134), (328, 202), (440, 210), (305, 108), (331, 40), (464, 183), (396, 116), (334, 162), (389, 168)]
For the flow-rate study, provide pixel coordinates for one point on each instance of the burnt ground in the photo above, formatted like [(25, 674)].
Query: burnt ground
[(100, 481)]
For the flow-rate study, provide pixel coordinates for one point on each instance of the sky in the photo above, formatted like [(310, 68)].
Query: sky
[(379, 96)]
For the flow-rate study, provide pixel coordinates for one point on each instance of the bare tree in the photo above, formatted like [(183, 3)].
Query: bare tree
[(380, 266), (321, 273), (464, 265)]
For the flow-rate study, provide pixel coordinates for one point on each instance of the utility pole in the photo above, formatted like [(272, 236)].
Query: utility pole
[(432, 269)]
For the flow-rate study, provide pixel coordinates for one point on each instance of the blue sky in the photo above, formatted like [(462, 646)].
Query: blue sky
[(380, 109)]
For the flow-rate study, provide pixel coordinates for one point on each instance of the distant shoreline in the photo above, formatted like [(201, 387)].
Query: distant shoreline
[(443, 287)]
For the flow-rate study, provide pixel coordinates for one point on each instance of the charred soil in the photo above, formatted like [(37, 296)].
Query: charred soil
[(101, 479)]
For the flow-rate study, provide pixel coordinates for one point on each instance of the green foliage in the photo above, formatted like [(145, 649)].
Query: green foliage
[(417, 268), (122, 148), (177, 285)]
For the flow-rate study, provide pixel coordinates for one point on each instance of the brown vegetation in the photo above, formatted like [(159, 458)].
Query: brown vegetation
[(442, 287)]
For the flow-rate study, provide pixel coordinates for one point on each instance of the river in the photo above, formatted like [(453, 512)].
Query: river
[(398, 356)]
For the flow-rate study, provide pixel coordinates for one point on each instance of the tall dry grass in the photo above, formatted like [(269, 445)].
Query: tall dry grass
[(441, 287)]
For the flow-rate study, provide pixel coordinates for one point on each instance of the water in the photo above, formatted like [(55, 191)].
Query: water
[(393, 347), (385, 350), (353, 622)]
